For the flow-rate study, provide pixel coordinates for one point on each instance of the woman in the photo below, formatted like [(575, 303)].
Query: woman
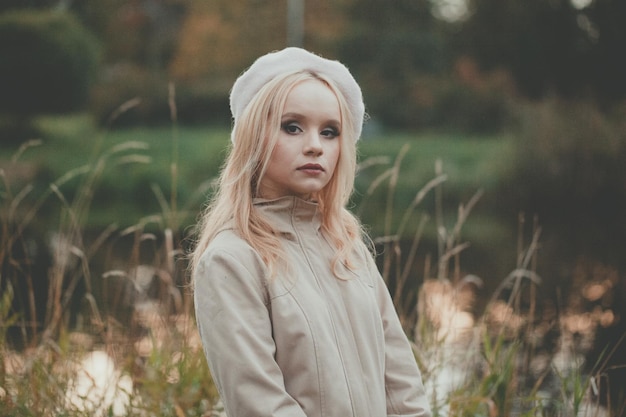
[(294, 317)]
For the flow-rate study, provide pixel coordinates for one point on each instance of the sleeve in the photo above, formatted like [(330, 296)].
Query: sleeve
[(234, 323), (403, 381)]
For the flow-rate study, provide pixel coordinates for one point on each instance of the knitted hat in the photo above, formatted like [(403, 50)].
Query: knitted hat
[(292, 59)]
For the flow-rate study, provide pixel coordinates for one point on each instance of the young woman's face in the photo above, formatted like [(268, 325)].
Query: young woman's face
[(306, 152)]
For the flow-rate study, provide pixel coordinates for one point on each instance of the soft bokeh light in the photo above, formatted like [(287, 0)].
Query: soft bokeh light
[(451, 10), (99, 388), (581, 4)]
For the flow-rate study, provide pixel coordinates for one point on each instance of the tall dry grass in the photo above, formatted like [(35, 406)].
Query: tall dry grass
[(115, 335)]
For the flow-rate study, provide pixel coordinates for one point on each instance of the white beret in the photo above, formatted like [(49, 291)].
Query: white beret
[(293, 59)]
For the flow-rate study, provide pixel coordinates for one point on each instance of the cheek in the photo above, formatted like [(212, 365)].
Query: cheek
[(333, 155), (278, 153)]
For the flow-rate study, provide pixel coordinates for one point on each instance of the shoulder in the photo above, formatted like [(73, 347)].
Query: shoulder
[(228, 250), (228, 244), (362, 252), (227, 238), (229, 270)]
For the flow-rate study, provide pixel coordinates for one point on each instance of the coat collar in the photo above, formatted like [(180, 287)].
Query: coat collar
[(290, 213)]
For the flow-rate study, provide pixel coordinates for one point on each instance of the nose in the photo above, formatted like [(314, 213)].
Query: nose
[(313, 144)]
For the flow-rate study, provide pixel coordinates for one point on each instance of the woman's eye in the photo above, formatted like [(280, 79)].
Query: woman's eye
[(330, 133), (291, 128)]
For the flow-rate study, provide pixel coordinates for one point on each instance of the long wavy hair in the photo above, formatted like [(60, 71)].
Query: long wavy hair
[(254, 137)]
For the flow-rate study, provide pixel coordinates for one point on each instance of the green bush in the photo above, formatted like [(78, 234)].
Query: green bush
[(569, 171), (48, 63)]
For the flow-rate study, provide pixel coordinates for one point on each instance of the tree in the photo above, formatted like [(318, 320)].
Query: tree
[(551, 46), (603, 20), (7, 5), (391, 46), (48, 63)]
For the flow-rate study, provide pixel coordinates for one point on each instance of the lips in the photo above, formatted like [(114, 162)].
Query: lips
[(311, 167)]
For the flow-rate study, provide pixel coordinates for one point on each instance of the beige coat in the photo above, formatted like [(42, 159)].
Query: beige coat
[(306, 344)]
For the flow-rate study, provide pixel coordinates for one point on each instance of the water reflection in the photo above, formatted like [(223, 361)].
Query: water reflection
[(542, 372)]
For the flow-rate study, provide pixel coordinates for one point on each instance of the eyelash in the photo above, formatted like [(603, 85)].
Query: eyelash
[(332, 132)]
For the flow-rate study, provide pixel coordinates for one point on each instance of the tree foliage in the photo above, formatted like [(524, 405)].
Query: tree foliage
[(551, 46), (391, 47), (7, 5), (48, 62)]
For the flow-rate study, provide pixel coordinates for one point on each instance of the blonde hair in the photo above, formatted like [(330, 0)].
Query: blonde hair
[(254, 136)]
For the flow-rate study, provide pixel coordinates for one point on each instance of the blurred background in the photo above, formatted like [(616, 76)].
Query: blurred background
[(522, 101)]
